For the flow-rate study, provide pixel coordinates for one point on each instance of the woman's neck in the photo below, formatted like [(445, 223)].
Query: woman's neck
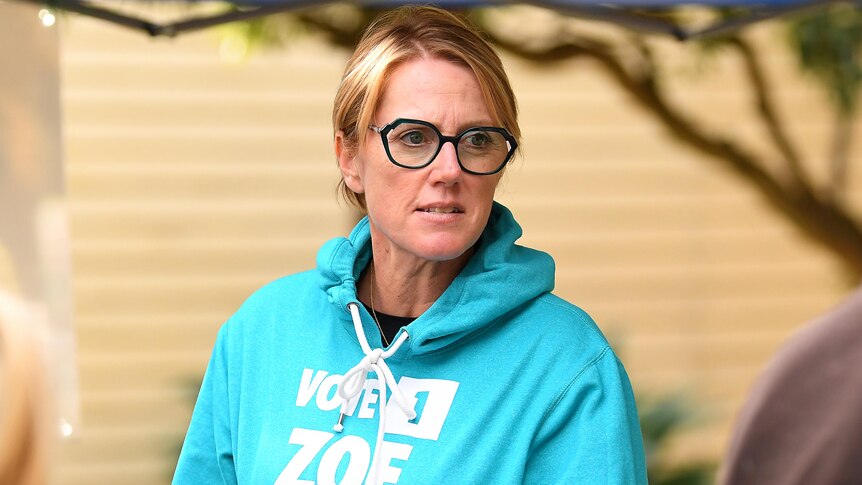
[(406, 286)]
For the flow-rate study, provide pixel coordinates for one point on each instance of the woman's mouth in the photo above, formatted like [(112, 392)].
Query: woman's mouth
[(441, 210)]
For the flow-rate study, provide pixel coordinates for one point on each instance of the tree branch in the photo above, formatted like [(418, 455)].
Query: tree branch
[(338, 36), (823, 222), (644, 88), (768, 113), (841, 140)]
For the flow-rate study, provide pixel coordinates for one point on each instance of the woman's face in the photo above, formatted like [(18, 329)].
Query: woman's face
[(438, 212)]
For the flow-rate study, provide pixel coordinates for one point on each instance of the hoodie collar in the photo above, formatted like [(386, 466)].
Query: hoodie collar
[(499, 277)]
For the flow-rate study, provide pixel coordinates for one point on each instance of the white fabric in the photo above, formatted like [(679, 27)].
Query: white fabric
[(354, 380)]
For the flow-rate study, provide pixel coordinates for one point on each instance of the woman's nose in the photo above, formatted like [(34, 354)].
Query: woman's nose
[(445, 168)]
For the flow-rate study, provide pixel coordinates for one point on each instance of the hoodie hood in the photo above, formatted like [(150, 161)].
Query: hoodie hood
[(499, 277)]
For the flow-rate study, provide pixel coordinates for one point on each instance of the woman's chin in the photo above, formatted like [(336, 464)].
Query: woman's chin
[(442, 253)]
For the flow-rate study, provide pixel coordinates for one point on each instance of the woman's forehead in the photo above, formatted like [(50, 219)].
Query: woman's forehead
[(435, 90)]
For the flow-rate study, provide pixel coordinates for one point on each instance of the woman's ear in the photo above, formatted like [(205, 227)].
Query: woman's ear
[(351, 168)]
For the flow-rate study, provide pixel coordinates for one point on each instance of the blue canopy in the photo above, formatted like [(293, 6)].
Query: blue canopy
[(627, 13)]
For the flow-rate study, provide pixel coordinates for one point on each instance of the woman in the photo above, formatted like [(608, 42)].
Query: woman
[(425, 347)]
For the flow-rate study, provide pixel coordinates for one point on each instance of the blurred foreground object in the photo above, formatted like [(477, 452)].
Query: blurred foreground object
[(802, 423), (34, 238), (24, 423)]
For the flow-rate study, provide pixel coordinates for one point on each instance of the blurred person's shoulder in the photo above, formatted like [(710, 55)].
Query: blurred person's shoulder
[(835, 334), (808, 399)]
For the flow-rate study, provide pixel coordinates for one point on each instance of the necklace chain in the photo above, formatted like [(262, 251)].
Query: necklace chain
[(373, 312)]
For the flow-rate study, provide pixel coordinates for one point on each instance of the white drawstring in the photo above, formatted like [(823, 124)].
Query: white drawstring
[(354, 380)]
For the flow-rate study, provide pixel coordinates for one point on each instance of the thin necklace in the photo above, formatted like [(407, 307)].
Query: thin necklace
[(374, 313)]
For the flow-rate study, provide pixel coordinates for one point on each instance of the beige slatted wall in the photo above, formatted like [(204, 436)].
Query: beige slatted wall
[(194, 180)]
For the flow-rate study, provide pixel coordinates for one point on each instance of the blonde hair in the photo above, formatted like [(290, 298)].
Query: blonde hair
[(405, 34), (23, 424)]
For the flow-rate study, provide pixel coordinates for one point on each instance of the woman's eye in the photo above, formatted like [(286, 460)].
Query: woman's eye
[(478, 139), (413, 137)]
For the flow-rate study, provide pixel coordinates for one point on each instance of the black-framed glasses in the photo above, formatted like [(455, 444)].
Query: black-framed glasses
[(483, 150)]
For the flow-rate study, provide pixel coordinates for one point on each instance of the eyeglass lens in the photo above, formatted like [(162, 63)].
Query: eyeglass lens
[(414, 145)]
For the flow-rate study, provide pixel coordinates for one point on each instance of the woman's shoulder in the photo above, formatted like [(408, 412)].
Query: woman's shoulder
[(567, 344), (292, 292), (566, 318), (563, 328), (302, 281)]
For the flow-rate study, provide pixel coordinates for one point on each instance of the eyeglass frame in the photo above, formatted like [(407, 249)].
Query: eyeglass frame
[(443, 139)]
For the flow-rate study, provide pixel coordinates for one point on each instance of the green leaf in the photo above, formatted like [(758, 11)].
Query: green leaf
[(827, 43)]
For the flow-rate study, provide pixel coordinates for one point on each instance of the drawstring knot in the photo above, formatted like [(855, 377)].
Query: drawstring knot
[(374, 356), (354, 381)]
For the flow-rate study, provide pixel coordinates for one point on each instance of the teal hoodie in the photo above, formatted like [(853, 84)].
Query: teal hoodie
[(499, 382)]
